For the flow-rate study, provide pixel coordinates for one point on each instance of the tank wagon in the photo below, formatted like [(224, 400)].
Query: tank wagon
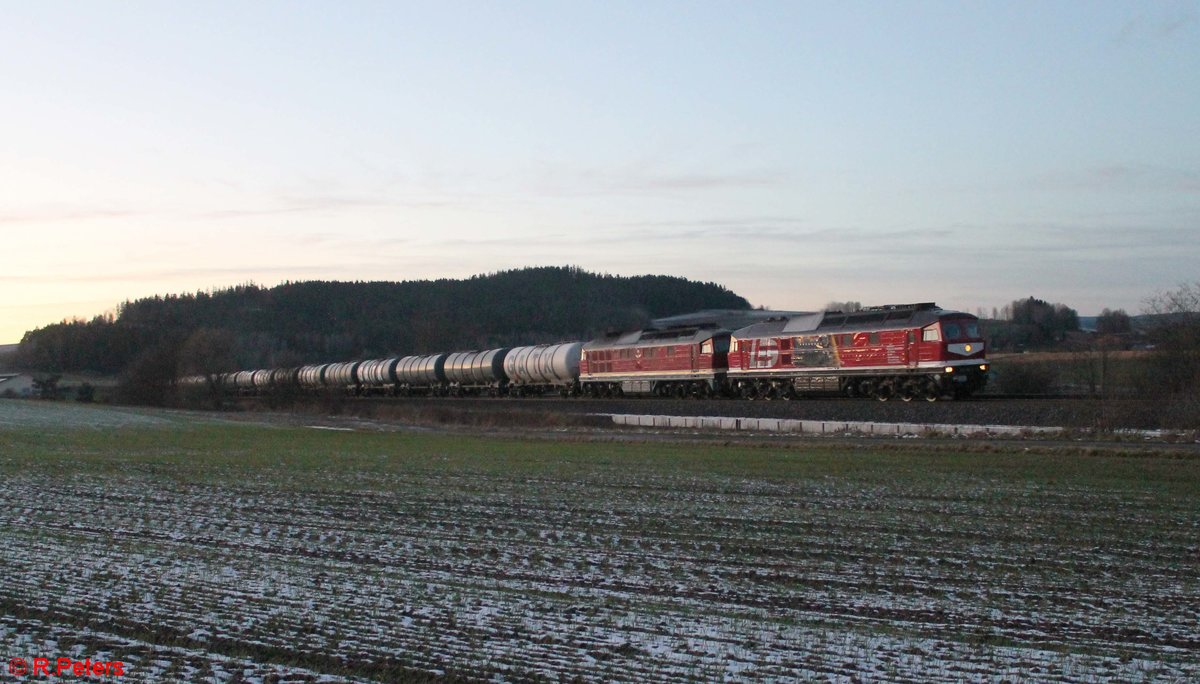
[(474, 372), (543, 368), (342, 375), (378, 375), (420, 374), (907, 351), (284, 377)]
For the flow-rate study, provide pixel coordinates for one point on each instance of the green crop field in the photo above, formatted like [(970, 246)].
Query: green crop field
[(196, 549)]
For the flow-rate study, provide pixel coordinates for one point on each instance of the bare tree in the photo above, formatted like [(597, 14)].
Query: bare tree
[(1182, 302), (1175, 332)]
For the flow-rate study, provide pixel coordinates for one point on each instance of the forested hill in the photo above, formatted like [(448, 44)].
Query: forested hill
[(309, 322)]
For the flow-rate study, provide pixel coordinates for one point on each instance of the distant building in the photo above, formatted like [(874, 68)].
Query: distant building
[(16, 385)]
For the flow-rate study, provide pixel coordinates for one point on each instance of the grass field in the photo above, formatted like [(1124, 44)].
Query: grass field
[(193, 549)]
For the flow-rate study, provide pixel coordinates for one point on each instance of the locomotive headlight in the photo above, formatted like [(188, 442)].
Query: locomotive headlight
[(968, 348), (983, 367), (949, 369)]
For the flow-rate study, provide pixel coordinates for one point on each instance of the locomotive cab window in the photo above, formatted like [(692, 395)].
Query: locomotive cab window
[(961, 330), (931, 334)]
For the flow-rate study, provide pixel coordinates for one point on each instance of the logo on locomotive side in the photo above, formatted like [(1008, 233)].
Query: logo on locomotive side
[(763, 355)]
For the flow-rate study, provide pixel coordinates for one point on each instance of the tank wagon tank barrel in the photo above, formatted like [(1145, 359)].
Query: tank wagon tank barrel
[(543, 368)]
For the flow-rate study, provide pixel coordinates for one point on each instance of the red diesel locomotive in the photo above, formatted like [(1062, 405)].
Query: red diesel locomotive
[(907, 351), (674, 361)]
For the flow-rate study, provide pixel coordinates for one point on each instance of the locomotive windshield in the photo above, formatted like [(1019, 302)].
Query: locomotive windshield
[(960, 330)]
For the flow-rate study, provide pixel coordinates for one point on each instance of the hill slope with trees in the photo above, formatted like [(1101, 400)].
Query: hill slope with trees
[(311, 322)]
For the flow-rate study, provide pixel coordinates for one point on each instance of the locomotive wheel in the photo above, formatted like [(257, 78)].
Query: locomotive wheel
[(932, 391), (908, 390), (885, 391)]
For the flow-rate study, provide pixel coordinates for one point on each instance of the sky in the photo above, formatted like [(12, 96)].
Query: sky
[(967, 153)]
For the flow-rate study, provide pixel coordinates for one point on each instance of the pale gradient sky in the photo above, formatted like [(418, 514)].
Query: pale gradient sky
[(969, 153)]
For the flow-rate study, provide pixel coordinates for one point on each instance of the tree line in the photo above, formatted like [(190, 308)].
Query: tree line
[(320, 321)]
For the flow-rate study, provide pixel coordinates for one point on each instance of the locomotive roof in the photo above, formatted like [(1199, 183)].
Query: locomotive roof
[(652, 336), (871, 318), (728, 319)]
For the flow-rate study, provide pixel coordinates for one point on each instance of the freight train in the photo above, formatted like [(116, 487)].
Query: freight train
[(908, 351)]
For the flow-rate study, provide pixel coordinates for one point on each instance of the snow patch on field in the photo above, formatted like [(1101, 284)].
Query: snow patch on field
[(16, 413)]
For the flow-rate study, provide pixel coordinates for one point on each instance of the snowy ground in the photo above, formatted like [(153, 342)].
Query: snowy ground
[(234, 553)]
